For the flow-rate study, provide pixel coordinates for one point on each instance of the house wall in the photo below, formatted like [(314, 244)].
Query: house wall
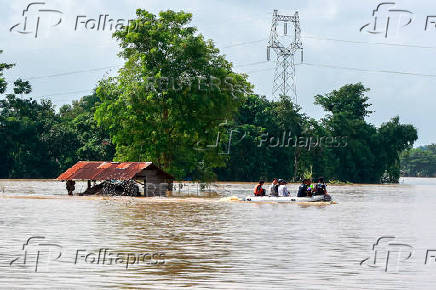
[(156, 183)]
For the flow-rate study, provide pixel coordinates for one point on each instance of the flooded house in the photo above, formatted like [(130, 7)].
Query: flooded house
[(118, 178)]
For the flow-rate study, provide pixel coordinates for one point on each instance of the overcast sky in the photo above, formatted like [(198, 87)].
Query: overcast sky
[(62, 49)]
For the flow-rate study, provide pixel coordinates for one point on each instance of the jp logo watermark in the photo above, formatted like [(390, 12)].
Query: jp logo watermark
[(385, 16), (37, 252), (38, 15), (392, 256), (32, 17), (388, 254), (389, 19), (38, 255), (224, 140)]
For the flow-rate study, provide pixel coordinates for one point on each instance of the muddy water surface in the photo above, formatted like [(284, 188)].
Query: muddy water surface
[(208, 242)]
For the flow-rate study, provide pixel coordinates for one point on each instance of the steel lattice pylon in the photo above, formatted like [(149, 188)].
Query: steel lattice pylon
[(284, 82)]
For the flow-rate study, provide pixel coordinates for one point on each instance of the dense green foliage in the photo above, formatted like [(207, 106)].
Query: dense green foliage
[(178, 103), (161, 104), (419, 162), (371, 152), (38, 142), (353, 150)]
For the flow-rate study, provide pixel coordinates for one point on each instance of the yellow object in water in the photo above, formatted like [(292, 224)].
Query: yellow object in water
[(230, 198)]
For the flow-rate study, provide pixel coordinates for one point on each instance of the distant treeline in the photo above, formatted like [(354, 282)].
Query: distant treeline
[(200, 131), (419, 162)]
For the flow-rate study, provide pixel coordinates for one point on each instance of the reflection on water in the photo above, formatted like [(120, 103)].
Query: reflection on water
[(208, 243)]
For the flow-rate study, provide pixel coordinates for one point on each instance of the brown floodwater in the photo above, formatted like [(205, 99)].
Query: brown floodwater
[(49, 239)]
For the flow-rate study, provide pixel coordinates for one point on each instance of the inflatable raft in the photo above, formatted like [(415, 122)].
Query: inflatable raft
[(316, 198)]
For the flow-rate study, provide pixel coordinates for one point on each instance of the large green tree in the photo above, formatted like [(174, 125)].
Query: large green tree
[(394, 138), (370, 152), (167, 102)]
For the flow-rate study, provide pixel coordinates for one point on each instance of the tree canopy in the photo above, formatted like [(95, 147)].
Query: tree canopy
[(172, 94), (419, 162), (178, 103)]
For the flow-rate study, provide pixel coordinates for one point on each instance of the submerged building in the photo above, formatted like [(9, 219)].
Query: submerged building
[(138, 175)]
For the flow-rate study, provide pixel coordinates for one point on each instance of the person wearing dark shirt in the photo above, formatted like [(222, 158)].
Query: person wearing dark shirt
[(304, 189), (321, 188)]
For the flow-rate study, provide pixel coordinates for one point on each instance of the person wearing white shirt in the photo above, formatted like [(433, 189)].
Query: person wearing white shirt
[(283, 190)]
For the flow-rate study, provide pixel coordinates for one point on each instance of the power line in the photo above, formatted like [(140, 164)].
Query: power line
[(253, 63), (306, 36), (304, 63), (262, 62), (72, 72), (65, 93), (354, 69), (368, 42), (241, 44), (108, 67), (368, 70), (244, 43), (255, 71), (266, 69)]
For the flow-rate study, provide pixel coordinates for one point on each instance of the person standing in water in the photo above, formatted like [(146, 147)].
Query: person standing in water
[(71, 186)]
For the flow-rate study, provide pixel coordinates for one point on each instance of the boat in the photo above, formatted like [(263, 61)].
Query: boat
[(315, 198)]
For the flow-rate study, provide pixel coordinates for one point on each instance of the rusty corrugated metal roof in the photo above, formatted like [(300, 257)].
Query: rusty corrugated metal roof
[(98, 170)]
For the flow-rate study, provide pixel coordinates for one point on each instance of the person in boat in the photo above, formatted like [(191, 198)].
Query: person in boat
[(304, 190), (282, 190), (274, 188), (258, 190), (321, 187)]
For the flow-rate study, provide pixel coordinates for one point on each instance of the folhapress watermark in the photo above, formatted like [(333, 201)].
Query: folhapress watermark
[(39, 255), (287, 139), (37, 16)]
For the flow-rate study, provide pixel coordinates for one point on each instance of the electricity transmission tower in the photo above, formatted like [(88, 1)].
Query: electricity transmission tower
[(285, 47)]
